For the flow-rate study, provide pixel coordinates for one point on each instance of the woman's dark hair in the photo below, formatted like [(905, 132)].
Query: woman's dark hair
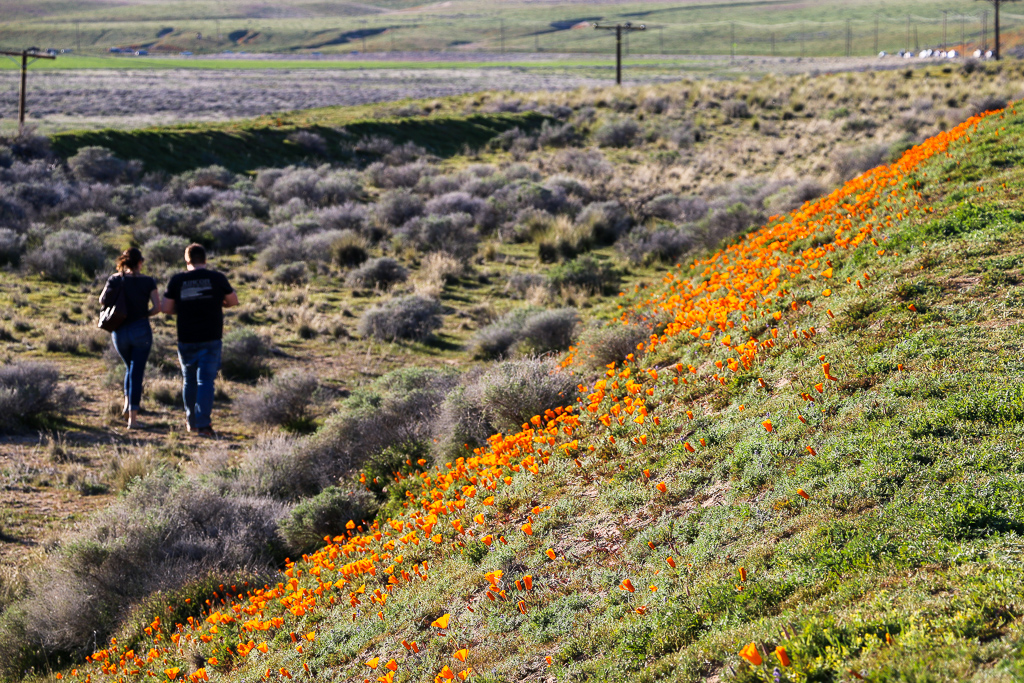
[(129, 260)]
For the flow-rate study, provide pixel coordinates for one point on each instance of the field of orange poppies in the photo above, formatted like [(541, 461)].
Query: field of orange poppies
[(810, 471)]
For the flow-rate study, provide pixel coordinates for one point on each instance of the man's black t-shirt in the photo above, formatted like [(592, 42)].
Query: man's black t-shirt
[(199, 304)]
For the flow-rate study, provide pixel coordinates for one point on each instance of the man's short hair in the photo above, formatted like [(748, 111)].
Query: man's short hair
[(195, 253)]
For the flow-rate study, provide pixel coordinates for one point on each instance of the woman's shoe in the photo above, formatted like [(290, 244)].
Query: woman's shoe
[(133, 419)]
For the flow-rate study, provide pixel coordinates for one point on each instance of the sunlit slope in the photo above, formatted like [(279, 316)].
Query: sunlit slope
[(814, 462)]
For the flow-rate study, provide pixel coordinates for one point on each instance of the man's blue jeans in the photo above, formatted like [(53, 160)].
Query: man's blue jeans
[(133, 341), (200, 363)]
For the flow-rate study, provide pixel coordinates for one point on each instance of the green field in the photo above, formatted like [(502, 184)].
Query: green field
[(766, 27), (64, 62)]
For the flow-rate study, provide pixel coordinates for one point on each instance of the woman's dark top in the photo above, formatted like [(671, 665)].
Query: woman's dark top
[(137, 289)]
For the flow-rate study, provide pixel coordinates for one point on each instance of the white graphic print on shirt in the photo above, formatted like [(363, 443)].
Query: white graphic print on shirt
[(196, 289)]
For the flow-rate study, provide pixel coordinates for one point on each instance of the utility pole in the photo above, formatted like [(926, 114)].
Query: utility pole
[(995, 53), (619, 28), (849, 38), (944, 30), (25, 56), (907, 43), (917, 45)]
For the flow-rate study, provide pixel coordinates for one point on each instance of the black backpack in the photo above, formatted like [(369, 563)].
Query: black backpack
[(115, 306)]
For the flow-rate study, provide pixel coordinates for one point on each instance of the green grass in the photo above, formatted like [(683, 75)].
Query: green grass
[(72, 62), (761, 27)]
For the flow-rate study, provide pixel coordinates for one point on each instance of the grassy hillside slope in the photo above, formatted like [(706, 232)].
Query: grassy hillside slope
[(247, 145), (819, 452)]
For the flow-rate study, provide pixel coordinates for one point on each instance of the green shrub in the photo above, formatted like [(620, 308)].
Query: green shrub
[(296, 273), (606, 344), (284, 400), (245, 355), (380, 468), (326, 514), (30, 391), (587, 273), (526, 330), (409, 317)]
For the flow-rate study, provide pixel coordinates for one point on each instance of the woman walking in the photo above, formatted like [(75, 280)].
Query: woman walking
[(134, 338)]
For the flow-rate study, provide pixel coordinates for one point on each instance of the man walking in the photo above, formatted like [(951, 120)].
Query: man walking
[(198, 297)]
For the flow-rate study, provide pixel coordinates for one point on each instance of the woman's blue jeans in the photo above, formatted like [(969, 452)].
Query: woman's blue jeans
[(133, 342), (200, 363)]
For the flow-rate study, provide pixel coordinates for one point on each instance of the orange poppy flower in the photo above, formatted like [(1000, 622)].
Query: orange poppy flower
[(441, 622), (550, 553), (751, 654), (783, 656)]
